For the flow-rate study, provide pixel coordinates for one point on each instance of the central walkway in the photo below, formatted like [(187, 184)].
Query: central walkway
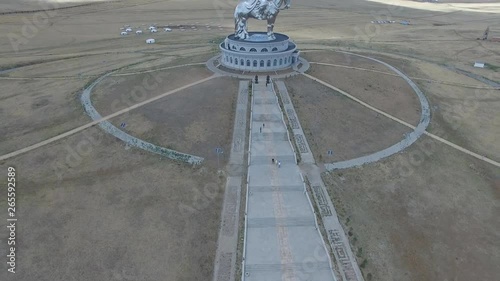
[(282, 241)]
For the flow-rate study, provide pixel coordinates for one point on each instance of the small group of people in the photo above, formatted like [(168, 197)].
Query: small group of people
[(278, 163), (268, 80)]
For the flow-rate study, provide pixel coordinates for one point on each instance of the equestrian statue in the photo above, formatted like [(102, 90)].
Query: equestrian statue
[(257, 9)]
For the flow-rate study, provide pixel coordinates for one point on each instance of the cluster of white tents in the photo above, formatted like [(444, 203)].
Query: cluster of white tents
[(127, 29), (152, 29), (403, 22)]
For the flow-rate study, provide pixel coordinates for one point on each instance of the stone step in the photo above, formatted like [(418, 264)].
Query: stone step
[(288, 266), (260, 101), (283, 222), (275, 136), (260, 95), (276, 126), (261, 117), (284, 159), (288, 188)]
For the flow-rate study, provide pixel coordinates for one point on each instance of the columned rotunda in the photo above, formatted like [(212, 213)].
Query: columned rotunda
[(258, 53)]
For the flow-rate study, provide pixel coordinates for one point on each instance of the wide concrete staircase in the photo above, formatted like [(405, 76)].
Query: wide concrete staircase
[(282, 241)]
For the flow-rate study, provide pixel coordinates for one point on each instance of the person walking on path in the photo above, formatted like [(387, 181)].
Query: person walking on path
[(272, 160), (263, 125), (260, 129), (279, 164)]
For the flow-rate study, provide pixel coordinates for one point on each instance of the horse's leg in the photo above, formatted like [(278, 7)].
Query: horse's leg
[(270, 27), (242, 28), (236, 23), (240, 23)]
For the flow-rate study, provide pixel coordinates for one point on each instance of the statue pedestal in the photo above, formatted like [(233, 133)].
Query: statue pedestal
[(258, 53)]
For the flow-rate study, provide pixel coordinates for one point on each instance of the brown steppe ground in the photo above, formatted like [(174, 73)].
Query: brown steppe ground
[(57, 110), (337, 58), (428, 213), (115, 215), (467, 116), (332, 121), (386, 92), (195, 120), (128, 214), (115, 93)]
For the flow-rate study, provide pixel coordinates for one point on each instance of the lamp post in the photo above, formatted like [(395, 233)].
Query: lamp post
[(218, 151)]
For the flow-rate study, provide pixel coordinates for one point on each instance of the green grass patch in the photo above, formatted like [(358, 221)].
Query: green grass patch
[(495, 68)]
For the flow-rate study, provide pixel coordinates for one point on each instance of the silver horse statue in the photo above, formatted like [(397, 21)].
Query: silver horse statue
[(257, 9)]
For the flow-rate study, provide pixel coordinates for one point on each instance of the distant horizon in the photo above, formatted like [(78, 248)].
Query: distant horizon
[(483, 6)]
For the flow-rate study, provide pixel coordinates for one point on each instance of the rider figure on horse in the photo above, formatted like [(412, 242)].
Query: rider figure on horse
[(258, 9)]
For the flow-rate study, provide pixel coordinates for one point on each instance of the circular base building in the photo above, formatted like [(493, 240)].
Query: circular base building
[(258, 53)]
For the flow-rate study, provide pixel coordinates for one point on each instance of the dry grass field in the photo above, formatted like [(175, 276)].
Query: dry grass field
[(427, 214), (91, 209), (380, 89), (195, 120), (334, 122), (57, 110), (431, 208), (116, 214), (118, 92)]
